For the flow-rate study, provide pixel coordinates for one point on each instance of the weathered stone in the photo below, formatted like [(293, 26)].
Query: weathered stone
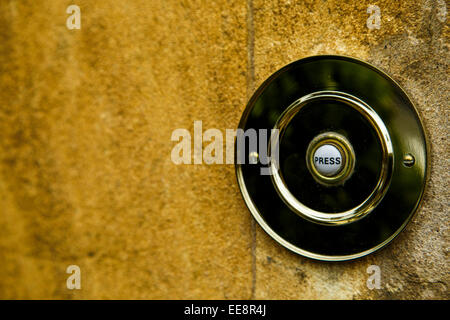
[(86, 118)]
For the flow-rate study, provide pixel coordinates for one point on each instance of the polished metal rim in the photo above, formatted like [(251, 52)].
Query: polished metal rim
[(384, 178)]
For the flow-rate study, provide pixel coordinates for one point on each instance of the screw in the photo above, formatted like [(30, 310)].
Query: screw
[(408, 160), (253, 157)]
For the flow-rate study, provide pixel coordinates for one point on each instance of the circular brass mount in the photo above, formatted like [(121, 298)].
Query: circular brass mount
[(390, 167)]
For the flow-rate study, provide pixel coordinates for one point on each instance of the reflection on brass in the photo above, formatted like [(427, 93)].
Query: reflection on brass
[(408, 160), (253, 157), (333, 94)]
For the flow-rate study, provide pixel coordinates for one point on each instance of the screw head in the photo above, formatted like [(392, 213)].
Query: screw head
[(408, 160)]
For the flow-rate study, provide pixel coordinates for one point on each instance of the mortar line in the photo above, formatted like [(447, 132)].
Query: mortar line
[(250, 88)]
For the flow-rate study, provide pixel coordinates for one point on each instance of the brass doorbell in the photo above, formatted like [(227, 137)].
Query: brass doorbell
[(351, 158)]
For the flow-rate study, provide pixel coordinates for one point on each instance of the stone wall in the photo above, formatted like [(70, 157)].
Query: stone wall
[(86, 118)]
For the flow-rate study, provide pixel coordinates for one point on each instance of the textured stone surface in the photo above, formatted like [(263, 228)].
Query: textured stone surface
[(412, 46), (86, 174), (86, 118)]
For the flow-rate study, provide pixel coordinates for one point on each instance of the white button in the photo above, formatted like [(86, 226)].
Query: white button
[(328, 160)]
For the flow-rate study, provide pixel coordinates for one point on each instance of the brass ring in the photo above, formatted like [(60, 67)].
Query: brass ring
[(346, 150), (384, 178)]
